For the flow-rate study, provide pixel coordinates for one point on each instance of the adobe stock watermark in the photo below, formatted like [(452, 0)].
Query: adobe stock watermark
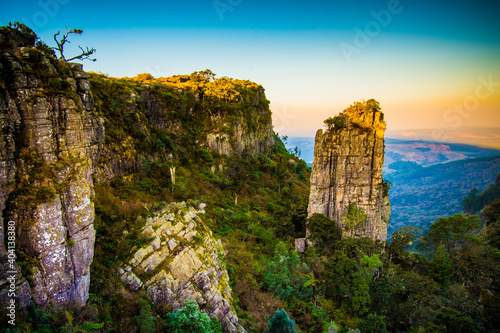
[(49, 9), (460, 111), (11, 273), (282, 119), (372, 29), (157, 71), (223, 6)]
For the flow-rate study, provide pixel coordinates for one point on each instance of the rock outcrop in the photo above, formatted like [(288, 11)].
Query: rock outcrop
[(346, 181), (182, 261), (54, 149), (241, 139), (143, 108), (48, 147)]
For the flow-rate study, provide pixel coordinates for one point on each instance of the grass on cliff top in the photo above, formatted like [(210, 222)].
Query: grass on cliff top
[(201, 92), (360, 114)]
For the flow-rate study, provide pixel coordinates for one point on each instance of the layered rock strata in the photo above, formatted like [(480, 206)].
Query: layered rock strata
[(48, 145), (346, 182), (182, 261), (181, 114)]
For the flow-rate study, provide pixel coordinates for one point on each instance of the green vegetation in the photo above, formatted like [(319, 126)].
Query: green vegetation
[(281, 323), (444, 280), (356, 114), (37, 59), (285, 275), (474, 203), (324, 231), (420, 195), (336, 122), (354, 216), (253, 201), (190, 319)]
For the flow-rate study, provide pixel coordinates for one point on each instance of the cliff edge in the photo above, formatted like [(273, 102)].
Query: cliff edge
[(48, 148), (67, 134)]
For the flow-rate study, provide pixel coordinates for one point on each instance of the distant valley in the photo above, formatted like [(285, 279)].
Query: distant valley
[(422, 152), (421, 194), (429, 179)]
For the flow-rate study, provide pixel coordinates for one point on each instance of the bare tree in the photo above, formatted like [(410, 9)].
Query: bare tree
[(85, 55)]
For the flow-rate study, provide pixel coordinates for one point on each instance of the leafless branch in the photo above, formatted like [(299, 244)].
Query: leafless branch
[(85, 55)]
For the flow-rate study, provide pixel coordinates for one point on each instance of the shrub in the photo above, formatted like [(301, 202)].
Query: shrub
[(281, 323), (145, 320), (323, 230), (336, 122), (354, 216), (190, 319), (286, 275)]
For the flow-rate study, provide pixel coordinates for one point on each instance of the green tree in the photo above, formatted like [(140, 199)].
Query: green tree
[(85, 327), (336, 122), (402, 240), (452, 232), (312, 281), (373, 324), (474, 202), (281, 323), (441, 267), (354, 216), (412, 299), (324, 232), (190, 319), (346, 283), (491, 216), (455, 321), (286, 275), (145, 320), (470, 203)]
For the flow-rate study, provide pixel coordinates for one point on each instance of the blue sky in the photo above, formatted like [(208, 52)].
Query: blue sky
[(420, 59)]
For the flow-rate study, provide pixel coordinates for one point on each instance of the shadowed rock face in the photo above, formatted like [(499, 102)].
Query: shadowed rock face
[(48, 146), (347, 172)]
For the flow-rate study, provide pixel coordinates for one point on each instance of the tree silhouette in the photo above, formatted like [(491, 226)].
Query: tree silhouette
[(85, 55)]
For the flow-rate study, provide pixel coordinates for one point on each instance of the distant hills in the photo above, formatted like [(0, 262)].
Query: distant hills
[(421, 194), (422, 152), (426, 153), (487, 137), (430, 179)]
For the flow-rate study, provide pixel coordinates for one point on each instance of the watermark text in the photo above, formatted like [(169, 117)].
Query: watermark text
[(11, 273), (224, 6), (49, 9)]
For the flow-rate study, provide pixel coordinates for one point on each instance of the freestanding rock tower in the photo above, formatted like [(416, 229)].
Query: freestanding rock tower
[(346, 181)]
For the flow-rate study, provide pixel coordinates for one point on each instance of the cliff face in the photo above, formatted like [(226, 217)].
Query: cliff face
[(65, 132), (346, 180), (182, 262), (175, 119), (49, 144)]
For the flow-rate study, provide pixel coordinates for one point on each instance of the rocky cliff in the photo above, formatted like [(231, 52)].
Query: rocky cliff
[(346, 181), (49, 146), (169, 119), (66, 132), (183, 261)]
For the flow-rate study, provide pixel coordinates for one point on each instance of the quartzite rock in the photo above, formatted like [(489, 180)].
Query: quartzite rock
[(347, 169), (48, 147), (185, 267)]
